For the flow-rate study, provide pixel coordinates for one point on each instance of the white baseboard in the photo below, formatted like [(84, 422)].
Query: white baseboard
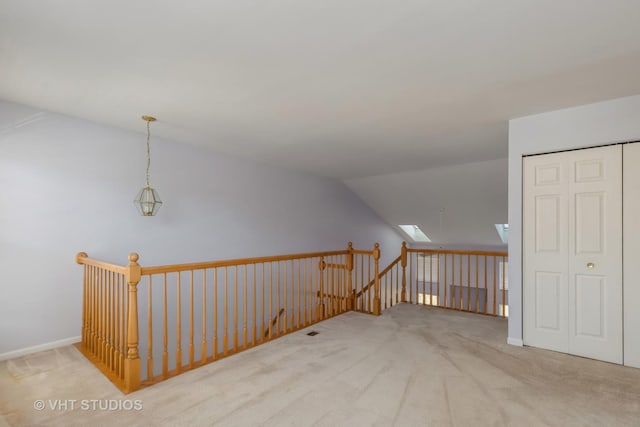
[(37, 348), (515, 341)]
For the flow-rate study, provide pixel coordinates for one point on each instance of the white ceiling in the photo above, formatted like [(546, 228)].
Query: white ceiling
[(342, 88), (362, 90)]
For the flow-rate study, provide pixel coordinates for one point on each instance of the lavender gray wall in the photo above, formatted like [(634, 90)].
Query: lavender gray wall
[(67, 185)]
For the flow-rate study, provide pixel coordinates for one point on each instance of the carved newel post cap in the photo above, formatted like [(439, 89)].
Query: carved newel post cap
[(133, 257)]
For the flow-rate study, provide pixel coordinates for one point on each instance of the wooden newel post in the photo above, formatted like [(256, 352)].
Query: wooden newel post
[(132, 362), (351, 299), (85, 297), (403, 262), (377, 308)]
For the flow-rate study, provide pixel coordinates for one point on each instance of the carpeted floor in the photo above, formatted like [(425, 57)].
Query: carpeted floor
[(411, 366)]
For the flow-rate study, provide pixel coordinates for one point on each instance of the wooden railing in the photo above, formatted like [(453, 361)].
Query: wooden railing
[(472, 281), (194, 314)]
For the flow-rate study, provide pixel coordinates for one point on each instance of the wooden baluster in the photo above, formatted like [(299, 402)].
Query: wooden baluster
[(100, 314), (397, 283), (424, 278), (335, 286), (369, 293), (89, 327), (270, 299), (299, 315), (278, 296), (165, 348), (107, 319), (446, 285), (362, 284), (486, 287), (291, 315), (438, 293), (321, 266), (95, 274), (468, 282), (123, 323), (411, 293), (150, 330), (111, 355), (245, 331), (114, 320), (107, 316), (504, 287), (178, 324), (214, 353), (255, 308), (225, 320), (203, 340), (284, 296), (132, 363), (309, 284), (235, 309), (431, 279), (115, 313), (263, 289), (95, 342), (104, 316), (477, 295), (191, 333), (305, 297), (403, 263), (386, 285), (495, 291), (461, 283)]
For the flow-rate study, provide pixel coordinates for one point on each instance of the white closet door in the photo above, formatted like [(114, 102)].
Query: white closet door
[(545, 252), (631, 213), (595, 253), (572, 252)]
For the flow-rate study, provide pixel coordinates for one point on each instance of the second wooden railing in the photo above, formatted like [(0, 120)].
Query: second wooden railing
[(472, 281)]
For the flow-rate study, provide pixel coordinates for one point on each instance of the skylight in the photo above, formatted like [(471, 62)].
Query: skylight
[(503, 232), (414, 232)]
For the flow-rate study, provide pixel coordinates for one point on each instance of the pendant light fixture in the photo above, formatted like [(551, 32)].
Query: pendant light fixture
[(148, 200)]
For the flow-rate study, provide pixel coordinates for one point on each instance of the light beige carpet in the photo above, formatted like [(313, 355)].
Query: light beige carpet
[(411, 366)]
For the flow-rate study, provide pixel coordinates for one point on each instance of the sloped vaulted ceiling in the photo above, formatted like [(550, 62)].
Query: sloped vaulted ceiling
[(341, 88)]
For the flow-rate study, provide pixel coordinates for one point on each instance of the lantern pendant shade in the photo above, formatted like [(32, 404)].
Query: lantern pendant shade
[(148, 201)]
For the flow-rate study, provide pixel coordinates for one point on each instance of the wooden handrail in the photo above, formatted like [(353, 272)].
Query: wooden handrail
[(382, 273), (458, 252), (233, 262), (83, 259)]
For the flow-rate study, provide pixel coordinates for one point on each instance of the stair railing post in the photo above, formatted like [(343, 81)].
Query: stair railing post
[(377, 309), (351, 298), (403, 263), (132, 362)]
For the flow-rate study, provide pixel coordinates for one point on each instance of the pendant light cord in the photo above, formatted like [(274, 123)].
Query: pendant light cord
[(148, 150)]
